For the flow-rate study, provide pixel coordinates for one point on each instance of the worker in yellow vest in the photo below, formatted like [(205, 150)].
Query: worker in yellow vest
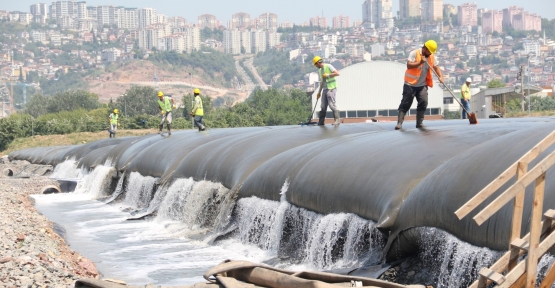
[(328, 86), (418, 78), (465, 96), (198, 111), (165, 104), (114, 123)]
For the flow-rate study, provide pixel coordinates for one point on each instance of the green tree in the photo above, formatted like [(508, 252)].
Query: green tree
[(137, 100), (20, 74), (496, 83)]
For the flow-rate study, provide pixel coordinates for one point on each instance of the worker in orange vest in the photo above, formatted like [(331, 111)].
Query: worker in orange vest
[(418, 78)]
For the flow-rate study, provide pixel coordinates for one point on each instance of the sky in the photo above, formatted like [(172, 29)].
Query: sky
[(297, 11)]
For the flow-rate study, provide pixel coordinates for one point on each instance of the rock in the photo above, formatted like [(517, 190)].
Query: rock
[(88, 266), (25, 281), (6, 260), (20, 237), (43, 257)]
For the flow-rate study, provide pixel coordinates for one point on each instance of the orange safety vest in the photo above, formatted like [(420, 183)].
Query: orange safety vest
[(412, 75)]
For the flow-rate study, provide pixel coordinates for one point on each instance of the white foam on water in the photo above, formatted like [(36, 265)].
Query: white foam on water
[(67, 170), (139, 190), (309, 240), (545, 263), (96, 184)]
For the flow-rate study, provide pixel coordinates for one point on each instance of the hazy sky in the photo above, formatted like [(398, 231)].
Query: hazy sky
[(297, 11)]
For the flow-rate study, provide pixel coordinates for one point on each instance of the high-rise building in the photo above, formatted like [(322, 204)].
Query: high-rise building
[(508, 14), (449, 9), (272, 39), (39, 12), (149, 37), (127, 18), (106, 15), (146, 17), (208, 21), (177, 22), (245, 41), (492, 21), (468, 14), (161, 18), (377, 13), (258, 41), (68, 13), (232, 41), (340, 22), (240, 20), (319, 22), (432, 11), (409, 8), (527, 21), (268, 21)]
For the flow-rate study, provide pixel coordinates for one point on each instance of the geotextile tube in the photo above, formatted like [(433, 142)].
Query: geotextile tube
[(399, 179)]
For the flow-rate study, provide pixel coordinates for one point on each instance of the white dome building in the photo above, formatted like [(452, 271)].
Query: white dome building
[(374, 90)]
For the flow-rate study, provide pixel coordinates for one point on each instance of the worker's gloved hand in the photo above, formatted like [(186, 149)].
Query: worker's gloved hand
[(192, 114), (318, 96), (325, 75), (163, 112), (173, 107), (118, 124)]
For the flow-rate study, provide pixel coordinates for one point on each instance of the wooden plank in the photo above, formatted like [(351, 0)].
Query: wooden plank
[(510, 193), (518, 209), (520, 244), (550, 214), (504, 177), (492, 275), (501, 265), (535, 233), (486, 192)]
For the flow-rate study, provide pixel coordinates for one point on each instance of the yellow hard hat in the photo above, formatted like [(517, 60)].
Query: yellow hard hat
[(160, 94), (116, 111), (196, 91), (316, 59), (431, 45)]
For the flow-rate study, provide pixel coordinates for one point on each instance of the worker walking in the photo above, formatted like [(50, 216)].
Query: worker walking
[(328, 86), (198, 111), (114, 123), (165, 105), (418, 78), (465, 96)]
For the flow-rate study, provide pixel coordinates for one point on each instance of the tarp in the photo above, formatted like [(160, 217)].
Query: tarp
[(399, 179)]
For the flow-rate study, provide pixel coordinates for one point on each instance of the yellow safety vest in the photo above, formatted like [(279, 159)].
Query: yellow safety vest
[(200, 110)]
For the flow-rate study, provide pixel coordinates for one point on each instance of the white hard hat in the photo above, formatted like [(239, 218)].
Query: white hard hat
[(468, 79)]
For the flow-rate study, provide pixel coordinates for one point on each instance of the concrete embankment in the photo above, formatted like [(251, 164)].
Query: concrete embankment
[(32, 252)]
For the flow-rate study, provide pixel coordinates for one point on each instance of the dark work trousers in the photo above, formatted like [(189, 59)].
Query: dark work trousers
[(409, 92)]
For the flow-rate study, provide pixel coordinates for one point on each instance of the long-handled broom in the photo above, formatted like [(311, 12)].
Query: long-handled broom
[(471, 116), (308, 122)]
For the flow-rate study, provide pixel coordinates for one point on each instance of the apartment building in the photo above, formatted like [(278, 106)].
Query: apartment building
[(341, 22), (468, 14)]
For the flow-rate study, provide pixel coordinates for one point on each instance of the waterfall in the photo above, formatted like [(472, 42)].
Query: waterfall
[(118, 191), (96, 183), (67, 170), (139, 190), (454, 263), (306, 238), (545, 263)]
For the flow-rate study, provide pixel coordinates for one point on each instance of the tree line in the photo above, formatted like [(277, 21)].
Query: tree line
[(80, 111)]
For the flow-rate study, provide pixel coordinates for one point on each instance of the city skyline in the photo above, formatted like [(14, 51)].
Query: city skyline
[(296, 12)]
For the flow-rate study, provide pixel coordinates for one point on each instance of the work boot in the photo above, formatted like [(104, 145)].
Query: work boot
[(201, 128), (322, 117), (336, 118), (419, 119), (161, 127), (400, 119), (169, 129)]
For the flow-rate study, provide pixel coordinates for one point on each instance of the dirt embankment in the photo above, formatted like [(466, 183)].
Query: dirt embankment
[(32, 253)]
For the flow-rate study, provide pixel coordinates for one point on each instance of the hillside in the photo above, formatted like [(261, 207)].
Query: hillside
[(173, 80)]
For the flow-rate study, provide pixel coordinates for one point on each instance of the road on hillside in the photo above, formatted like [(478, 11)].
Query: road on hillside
[(172, 83), (249, 84), (250, 66)]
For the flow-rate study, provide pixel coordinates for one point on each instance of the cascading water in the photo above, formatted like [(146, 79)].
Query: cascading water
[(139, 190), (545, 263), (97, 183), (454, 263), (67, 170), (306, 239)]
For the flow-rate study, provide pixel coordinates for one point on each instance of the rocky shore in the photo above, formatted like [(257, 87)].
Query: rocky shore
[(32, 252)]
